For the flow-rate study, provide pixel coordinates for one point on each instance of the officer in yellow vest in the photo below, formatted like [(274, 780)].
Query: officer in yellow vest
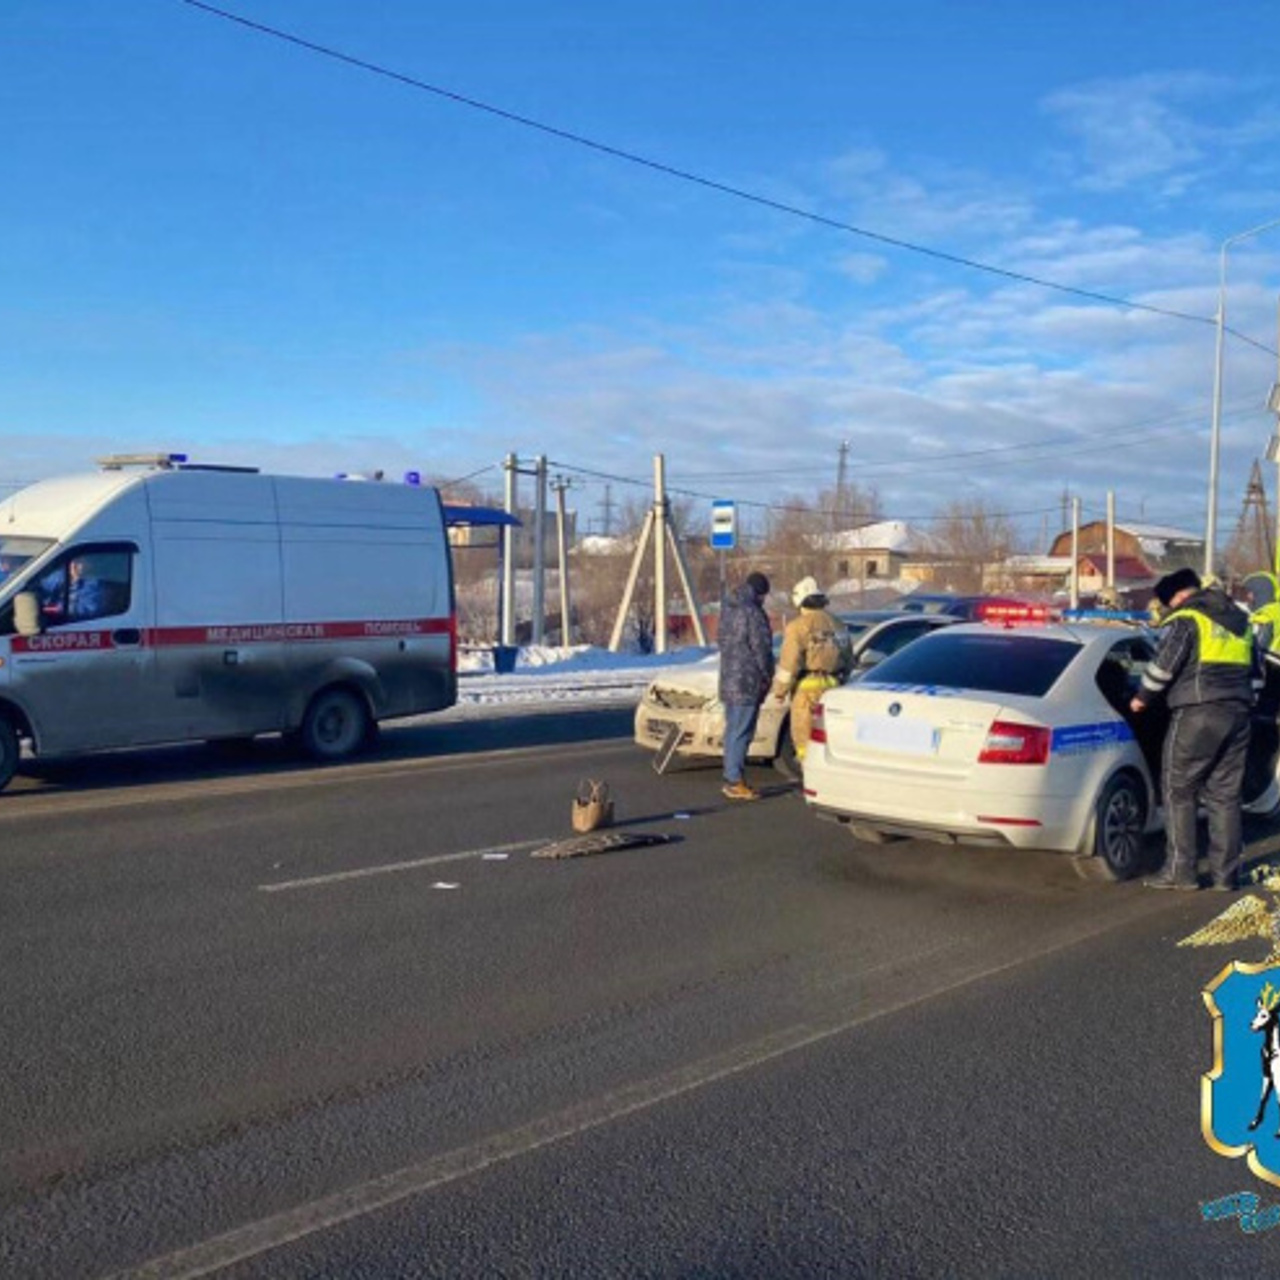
[(1204, 669), (1264, 617)]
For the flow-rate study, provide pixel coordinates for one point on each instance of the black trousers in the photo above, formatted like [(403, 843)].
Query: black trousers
[(1204, 758)]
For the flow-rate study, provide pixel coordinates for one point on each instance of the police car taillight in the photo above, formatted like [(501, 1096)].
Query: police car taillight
[(1009, 743), (818, 725), (1012, 615)]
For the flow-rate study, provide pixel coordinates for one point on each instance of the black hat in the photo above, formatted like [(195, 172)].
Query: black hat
[(1172, 583), (758, 583)]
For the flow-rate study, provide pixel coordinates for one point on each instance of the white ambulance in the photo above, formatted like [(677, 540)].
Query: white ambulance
[(156, 601)]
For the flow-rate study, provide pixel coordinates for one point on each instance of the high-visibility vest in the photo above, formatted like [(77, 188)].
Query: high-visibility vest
[(1218, 646), (1269, 615)]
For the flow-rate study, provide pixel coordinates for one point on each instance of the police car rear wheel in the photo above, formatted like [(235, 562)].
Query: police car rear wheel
[(336, 725), (9, 751), (1119, 826)]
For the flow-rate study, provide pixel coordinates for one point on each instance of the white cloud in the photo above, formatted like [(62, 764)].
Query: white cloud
[(1159, 130)]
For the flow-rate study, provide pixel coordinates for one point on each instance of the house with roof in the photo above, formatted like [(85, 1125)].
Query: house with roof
[(1161, 547), (884, 552)]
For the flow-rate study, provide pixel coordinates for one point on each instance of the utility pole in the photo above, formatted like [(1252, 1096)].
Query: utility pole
[(1075, 553), (559, 485), (539, 628), (1111, 541), (507, 600), (842, 485), (658, 520)]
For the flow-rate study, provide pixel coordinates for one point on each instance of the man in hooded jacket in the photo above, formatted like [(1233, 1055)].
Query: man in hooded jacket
[(746, 668), (1204, 670)]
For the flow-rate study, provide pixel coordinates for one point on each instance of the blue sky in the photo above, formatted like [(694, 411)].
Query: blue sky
[(217, 241)]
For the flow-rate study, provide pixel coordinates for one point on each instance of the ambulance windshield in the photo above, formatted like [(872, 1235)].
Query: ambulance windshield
[(17, 553)]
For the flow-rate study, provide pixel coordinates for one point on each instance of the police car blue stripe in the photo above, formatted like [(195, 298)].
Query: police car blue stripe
[(1089, 737)]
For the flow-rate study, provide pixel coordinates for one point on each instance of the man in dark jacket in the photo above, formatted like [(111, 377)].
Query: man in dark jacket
[(1204, 670), (746, 670)]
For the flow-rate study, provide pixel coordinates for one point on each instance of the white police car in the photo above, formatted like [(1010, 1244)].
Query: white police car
[(1014, 735)]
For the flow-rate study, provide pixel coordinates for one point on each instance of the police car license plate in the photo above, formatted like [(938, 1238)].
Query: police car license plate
[(889, 733)]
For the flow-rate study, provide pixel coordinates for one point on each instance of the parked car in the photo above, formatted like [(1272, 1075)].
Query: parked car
[(1005, 736), (689, 697)]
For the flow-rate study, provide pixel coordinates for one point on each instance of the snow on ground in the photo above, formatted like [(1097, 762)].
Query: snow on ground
[(559, 679)]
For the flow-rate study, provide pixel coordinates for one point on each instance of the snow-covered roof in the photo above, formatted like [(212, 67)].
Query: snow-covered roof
[(1037, 564), (1159, 532), (896, 536), (596, 544)]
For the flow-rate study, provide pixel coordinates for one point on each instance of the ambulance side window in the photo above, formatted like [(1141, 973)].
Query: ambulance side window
[(89, 582)]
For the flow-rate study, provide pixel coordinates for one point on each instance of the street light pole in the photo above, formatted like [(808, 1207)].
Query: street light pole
[(1215, 433)]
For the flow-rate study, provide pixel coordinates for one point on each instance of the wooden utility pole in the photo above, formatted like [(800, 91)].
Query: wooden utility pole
[(660, 529)]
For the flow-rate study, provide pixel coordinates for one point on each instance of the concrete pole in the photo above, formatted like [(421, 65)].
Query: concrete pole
[(1111, 540), (659, 554), (539, 629), (508, 600), (1075, 553), (562, 546)]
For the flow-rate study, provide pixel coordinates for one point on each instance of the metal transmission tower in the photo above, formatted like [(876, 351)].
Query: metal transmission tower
[(842, 484), (608, 510), (1253, 531)]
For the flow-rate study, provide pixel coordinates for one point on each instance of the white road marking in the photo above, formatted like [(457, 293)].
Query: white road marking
[(387, 868), (257, 1238)]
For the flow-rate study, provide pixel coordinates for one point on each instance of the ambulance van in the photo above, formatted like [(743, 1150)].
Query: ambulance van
[(156, 601)]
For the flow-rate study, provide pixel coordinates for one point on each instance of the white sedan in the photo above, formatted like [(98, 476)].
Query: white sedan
[(1017, 736)]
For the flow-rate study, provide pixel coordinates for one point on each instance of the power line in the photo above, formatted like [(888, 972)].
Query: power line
[(471, 475), (779, 507), (686, 175), (1124, 438), (1148, 427)]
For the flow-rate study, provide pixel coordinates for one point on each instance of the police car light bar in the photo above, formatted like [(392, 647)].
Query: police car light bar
[(1009, 615)]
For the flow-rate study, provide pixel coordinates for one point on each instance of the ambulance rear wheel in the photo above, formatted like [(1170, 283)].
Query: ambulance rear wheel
[(9, 751), (336, 725)]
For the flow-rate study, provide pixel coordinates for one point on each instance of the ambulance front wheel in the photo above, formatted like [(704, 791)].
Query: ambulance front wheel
[(9, 751), (337, 724)]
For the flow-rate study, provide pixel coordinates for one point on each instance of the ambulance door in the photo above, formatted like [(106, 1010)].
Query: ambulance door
[(85, 678), (219, 630)]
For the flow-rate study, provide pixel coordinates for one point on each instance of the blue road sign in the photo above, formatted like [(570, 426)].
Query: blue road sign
[(724, 525)]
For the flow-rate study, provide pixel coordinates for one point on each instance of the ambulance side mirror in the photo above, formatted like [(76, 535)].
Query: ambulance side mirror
[(26, 613)]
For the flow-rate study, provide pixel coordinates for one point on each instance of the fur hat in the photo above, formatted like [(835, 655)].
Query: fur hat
[(1172, 583), (804, 589), (758, 583)]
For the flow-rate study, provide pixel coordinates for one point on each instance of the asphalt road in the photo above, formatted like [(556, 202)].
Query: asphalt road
[(269, 1020)]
